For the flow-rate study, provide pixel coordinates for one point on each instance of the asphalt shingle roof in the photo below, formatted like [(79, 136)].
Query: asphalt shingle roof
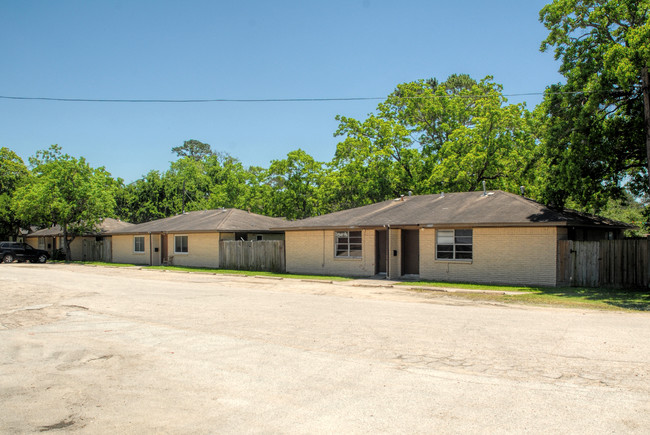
[(220, 220), (497, 208), (107, 226)]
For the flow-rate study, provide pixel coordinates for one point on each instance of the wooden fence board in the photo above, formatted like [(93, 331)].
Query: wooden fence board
[(564, 264), (606, 263), (93, 250), (263, 255)]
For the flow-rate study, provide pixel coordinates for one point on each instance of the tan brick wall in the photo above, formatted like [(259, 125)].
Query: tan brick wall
[(203, 250), (501, 255), (312, 252), (76, 246), (123, 250)]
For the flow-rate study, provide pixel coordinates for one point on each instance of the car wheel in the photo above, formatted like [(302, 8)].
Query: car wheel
[(8, 258), (42, 258)]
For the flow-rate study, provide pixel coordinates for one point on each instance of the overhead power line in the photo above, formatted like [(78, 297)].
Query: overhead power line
[(207, 100), (274, 100)]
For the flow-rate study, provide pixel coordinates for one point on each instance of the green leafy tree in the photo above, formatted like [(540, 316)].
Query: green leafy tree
[(193, 149), (597, 133), (295, 183), (214, 180), (13, 172), (626, 209), (144, 199), (187, 185), (430, 136), (229, 182), (374, 161), (66, 191), (257, 193), (432, 110), (491, 141)]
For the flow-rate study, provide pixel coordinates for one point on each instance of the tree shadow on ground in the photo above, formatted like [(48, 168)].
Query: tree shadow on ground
[(631, 299)]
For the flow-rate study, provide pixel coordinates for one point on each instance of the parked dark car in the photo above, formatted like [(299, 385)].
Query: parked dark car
[(10, 251)]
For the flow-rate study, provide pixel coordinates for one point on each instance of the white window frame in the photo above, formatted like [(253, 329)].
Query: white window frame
[(187, 247), (144, 246), (454, 239), (41, 243), (339, 245)]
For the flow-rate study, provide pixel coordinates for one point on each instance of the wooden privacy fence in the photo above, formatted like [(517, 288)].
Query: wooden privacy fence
[(93, 250), (606, 263), (266, 255)]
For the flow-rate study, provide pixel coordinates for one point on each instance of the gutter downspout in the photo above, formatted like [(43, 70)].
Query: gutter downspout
[(150, 250), (388, 253)]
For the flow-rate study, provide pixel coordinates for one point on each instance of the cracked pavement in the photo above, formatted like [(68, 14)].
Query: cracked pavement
[(93, 349)]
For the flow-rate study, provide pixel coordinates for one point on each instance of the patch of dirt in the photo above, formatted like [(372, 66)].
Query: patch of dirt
[(36, 315)]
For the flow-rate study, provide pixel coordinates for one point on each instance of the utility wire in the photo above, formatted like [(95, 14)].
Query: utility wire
[(279, 100), (210, 100)]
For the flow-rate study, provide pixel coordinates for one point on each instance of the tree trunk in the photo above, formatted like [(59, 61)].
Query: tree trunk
[(645, 80), (66, 244)]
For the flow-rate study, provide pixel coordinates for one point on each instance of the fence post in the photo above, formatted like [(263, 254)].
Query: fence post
[(646, 266)]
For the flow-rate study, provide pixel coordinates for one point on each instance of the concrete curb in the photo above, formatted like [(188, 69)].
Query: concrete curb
[(463, 290), (351, 283), (372, 285), (321, 281)]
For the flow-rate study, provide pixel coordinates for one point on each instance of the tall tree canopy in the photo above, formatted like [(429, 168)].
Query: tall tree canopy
[(199, 179), (13, 172), (429, 137), (193, 149), (66, 191), (295, 183), (597, 129)]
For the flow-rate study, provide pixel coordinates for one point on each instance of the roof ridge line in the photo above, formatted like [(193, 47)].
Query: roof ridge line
[(526, 200), (226, 217)]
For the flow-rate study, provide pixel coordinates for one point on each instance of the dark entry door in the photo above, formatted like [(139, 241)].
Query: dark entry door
[(410, 252), (380, 257), (163, 249)]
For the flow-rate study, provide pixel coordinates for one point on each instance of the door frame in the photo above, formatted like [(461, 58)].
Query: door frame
[(381, 235), (410, 251)]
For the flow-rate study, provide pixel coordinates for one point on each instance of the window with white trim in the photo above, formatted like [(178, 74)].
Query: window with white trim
[(41, 243), (347, 244), (454, 244), (138, 244), (180, 245)]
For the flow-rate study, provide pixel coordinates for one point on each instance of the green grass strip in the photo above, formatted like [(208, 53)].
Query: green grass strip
[(568, 297), (217, 271)]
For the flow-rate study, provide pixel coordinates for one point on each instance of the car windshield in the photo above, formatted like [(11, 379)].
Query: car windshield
[(29, 248)]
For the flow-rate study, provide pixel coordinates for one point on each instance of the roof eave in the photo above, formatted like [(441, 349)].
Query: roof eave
[(457, 224)]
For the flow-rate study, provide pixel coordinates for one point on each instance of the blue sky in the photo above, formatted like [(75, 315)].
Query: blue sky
[(142, 49)]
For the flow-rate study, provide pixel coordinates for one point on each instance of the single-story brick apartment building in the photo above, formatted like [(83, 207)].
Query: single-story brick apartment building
[(482, 237), (192, 238), (51, 239)]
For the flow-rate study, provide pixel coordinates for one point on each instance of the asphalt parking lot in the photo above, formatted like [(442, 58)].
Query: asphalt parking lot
[(111, 350)]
